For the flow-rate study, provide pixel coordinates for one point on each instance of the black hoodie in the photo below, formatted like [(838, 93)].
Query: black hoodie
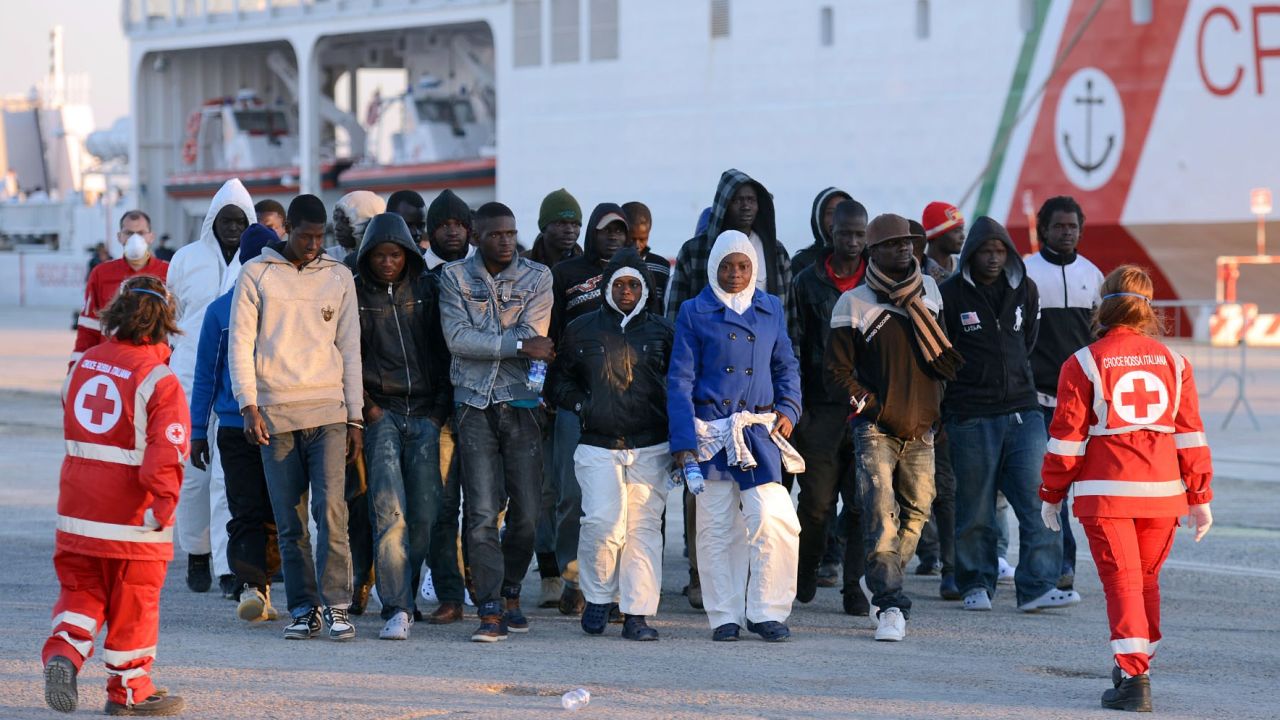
[(821, 237), (994, 327), (576, 283), (404, 355), (615, 377), (690, 274)]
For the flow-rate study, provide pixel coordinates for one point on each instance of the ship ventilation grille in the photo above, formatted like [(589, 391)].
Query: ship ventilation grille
[(719, 18)]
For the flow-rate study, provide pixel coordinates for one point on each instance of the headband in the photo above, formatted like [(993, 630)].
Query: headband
[(150, 292), (1126, 294)]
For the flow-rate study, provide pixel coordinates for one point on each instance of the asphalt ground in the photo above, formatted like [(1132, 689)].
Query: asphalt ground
[(1220, 656)]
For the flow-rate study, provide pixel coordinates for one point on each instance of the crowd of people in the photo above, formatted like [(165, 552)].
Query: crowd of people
[(447, 406)]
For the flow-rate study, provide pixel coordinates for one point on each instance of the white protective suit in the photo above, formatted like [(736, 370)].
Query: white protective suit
[(198, 274)]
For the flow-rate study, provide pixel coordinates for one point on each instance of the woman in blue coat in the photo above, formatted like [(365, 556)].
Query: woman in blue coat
[(733, 397)]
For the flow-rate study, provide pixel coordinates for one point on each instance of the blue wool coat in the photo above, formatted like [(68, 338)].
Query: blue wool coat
[(723, 363)]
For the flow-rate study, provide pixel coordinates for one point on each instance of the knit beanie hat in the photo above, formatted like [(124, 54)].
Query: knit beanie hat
[(559, 205), (253, 239), (447, 206), (939, 217)]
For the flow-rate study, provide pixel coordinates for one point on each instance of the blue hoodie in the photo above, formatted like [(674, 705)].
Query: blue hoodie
[(211, 389)]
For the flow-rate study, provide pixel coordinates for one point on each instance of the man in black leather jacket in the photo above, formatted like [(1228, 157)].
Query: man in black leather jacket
[(610, 371)]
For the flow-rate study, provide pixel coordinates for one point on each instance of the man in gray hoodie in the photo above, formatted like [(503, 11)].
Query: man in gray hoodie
[(294, 356)]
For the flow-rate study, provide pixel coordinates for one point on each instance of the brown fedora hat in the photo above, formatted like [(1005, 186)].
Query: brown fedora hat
[(888, 227)]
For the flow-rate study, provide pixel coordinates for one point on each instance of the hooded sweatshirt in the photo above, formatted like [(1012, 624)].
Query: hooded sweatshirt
[(611, 369), (295, 342), (994, 327), (690, 274), (402, 350), (577, 283), (822, 240), (198, 274)]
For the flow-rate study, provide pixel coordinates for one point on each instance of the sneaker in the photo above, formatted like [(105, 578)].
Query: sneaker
[(340, 627), (892, 627), (1005, 572), (828, 574), (491, 629), (512, 616), (948, 590), (929, 567), (359, 599), (634, 627), (694, 591), (977, 600), (199, 579), (571, 601), (1055, 598), (447, 614), (552, 588), (60, 684), (253, 604), (158, 705), (303, 627), (397, 628), (428, 588), (595, 616), (270, 612), (872, 610), (855, 603), (806, 586), (227, 584), (1133, 694)]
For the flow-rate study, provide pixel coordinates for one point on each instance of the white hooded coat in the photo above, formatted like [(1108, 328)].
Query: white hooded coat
[(198, 274)]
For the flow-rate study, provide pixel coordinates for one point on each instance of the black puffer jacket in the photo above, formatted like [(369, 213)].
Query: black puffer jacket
[(405, 358), (615, 377)]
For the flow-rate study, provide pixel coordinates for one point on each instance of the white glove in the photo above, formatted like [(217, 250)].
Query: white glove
[(1049, 514), (1200, 518), (149, 520)]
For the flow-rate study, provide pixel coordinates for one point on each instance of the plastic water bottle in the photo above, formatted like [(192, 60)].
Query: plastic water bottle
[(537, 375), (693, 477), (575, 699)]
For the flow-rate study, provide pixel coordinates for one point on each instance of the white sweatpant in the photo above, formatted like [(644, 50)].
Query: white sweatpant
[(202, 513), (748, 549), (620, 539)]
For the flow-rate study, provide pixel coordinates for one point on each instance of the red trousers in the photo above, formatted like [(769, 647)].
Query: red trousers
[(1129, 553), (125, 594)]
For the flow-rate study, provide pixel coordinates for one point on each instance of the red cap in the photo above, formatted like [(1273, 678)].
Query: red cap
[(939, 217)]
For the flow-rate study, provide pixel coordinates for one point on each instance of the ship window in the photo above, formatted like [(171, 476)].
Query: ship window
[(449, 112), (604, 29), (828, 26), (922, 19), (719, 18), (526, 48), (262, 122), (565, 31)]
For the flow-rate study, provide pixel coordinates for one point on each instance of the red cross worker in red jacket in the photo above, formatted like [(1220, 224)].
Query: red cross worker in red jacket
[(1127, 439), (126, 425)]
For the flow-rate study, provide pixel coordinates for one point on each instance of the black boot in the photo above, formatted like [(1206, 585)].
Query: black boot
[(806, 585), (199, 579), (1133, 694)]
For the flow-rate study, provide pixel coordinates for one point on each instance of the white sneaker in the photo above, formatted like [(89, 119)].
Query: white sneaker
[(428, 588), (1055, 598), (253, 604), (552, 589), (977, 600), (1006, 572), (892, 627), (397, 628), (875, 611)]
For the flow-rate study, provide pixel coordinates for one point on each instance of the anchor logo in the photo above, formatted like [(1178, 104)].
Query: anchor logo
[(1101, 124)]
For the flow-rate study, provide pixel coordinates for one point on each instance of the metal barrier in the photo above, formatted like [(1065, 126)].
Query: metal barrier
[(1216, 365)]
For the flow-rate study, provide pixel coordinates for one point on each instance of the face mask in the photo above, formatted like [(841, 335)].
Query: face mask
[(135, 248)]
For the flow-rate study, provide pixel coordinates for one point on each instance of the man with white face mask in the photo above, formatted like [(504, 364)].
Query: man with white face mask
[(104, 280)]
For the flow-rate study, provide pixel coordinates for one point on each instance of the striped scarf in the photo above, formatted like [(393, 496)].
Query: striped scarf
[(908, 294)]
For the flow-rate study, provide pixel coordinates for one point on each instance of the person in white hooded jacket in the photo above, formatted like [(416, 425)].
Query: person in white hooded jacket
[(198, 274)]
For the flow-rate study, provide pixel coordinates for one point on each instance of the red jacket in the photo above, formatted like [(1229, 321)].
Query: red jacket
[(126, 424), (1127, 432), (100, 290)]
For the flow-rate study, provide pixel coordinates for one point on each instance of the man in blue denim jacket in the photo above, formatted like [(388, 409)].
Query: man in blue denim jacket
[(495, 309)]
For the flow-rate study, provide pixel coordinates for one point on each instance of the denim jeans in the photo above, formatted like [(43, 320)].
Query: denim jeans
[(569, 496), (312, 461), (443, 556), (895, 492), (402, 454), (501, 449), (1001, 452), (1068, 539), (938, 538), (544, 544)]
